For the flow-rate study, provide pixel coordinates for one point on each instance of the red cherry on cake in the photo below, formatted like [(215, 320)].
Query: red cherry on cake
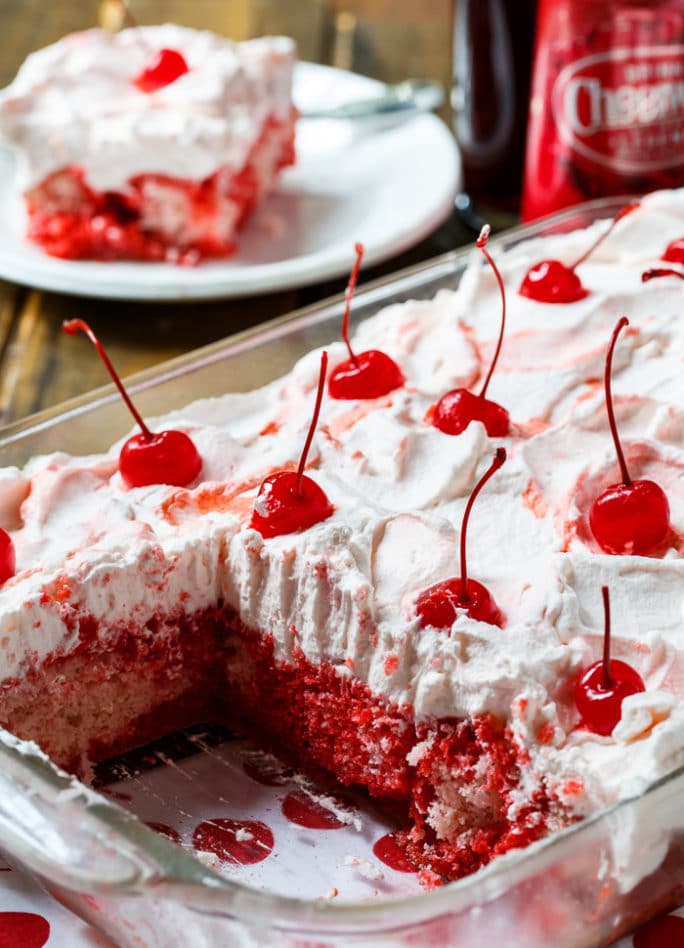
[(454, 411), (289, 501), (7, 557), (656, 272), (551, 281), (632, 517), (674, 252), (601, 689), (369, 374), (440, 604), (168, 457), (168, 66)]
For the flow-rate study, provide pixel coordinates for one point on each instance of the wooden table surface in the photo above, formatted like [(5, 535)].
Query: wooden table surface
[(39, 365)]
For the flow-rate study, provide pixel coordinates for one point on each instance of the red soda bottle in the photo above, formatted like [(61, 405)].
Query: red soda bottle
[(607, 102)]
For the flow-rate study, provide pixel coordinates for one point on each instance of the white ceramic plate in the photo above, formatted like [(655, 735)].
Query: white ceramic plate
[(386, 185)]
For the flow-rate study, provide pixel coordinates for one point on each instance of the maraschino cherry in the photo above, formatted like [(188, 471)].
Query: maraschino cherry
[(440, 604), (168, 457), (454, 411), (165, 68), (633, 516), (8, 563), (674, 252), (369, 374), (289, 501), (656, 272), (602, 688), (551, 281)]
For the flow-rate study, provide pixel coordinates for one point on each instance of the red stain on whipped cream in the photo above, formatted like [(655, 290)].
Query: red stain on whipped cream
[(528, 429), (348, 419), (62, 589), (391, 664), (23, 930), (546, 733), (181, 504), (592, 387), (535, 501), (271, 428), (573, 788), (242, 842)]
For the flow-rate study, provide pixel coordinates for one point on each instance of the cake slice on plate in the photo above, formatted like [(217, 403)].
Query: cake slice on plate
[(154, 143)]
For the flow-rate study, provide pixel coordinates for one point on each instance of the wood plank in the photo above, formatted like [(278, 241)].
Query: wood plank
[(43, 366)]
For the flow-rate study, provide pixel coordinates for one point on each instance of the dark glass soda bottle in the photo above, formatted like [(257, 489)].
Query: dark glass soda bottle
[(492, 59)]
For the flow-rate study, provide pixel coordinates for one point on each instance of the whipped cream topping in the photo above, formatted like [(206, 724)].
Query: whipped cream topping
[(344, 591), (75, 103)]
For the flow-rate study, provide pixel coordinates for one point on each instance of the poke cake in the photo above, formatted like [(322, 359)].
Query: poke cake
[(153, 143), (293, 560)]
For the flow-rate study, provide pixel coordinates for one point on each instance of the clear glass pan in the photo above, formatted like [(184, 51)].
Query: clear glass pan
[(570, 890)]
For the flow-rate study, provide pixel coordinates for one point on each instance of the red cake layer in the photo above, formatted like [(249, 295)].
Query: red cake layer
[(469, 768), (105, 699), (157, 217), (100, 699)]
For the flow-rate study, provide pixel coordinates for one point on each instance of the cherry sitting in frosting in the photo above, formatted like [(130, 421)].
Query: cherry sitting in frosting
[(454, 411), (369, 374), (168, 66), (656, 272), (440, 604), (289, 502), (601, 689), (551, 281), (8, 563), (168, 457), (674, 252), (633, 516)]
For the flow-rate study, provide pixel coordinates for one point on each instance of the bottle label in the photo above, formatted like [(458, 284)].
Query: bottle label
[(624, 108)]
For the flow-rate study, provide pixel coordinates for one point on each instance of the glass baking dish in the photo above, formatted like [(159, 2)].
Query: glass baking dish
[(574, 889)]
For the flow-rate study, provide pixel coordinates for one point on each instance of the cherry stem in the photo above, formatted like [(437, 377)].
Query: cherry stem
[(128, 18), (497, 461), (72, 326), (314, 422), (660, 272), (348, 294), (482, 244), (626, 479), (606, 680), (623, 213)]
